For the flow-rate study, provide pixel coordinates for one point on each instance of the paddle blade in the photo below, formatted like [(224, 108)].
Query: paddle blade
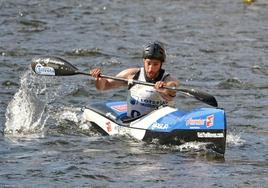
[(201, 96), (53, 66)]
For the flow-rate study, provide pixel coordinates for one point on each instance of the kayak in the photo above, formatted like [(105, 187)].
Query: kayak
[(167, 125)]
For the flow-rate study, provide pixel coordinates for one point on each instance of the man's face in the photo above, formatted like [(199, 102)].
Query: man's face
[(152, 68)]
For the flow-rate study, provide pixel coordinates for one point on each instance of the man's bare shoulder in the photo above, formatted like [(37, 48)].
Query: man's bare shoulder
[(128, 73), (171, 80)]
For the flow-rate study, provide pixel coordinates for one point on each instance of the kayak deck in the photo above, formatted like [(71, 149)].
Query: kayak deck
[(167, 125)]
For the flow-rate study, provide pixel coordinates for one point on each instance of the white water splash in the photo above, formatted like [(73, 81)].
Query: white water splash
[(68, 115), (73, 115), (186, 147), (26, 112), (234, 139), (190, 146)]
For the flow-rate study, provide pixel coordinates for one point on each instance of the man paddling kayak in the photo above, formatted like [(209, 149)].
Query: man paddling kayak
[(143, 99)]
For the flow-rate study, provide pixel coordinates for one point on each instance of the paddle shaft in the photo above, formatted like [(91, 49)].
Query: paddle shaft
[(201, 96), (130, 81)]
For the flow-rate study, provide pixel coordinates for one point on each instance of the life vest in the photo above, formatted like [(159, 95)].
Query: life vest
[(143, 99)]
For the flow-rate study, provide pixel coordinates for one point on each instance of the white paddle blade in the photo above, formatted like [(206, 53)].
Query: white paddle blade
[(52, 66)]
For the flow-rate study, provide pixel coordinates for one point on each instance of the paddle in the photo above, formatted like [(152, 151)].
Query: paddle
[(55, 66)]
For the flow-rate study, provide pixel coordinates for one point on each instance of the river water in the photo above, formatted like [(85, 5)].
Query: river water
[(220, 47)]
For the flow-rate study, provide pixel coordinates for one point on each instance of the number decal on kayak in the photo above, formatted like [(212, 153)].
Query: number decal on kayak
[(109, 126), (135, 113)]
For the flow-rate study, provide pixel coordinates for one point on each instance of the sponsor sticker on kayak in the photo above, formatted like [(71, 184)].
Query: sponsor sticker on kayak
[(209, 135), (161, 126), (208, 121), (108, 126), (120, 108)]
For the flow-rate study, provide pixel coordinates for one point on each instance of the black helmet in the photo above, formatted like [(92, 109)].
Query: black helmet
[(154, 50)]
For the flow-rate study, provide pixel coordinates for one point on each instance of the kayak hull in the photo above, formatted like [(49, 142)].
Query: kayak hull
[(167, 125)]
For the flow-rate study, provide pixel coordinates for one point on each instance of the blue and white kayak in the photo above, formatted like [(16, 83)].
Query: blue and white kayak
[(168, 125)]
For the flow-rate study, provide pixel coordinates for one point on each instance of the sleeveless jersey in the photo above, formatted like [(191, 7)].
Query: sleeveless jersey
[(143, 99)]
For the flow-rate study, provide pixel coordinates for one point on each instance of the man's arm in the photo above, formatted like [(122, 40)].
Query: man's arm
[(106, 84), (167, 93)]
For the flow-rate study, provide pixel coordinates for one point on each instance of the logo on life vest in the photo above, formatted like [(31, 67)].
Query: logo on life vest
[(147, 102)]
